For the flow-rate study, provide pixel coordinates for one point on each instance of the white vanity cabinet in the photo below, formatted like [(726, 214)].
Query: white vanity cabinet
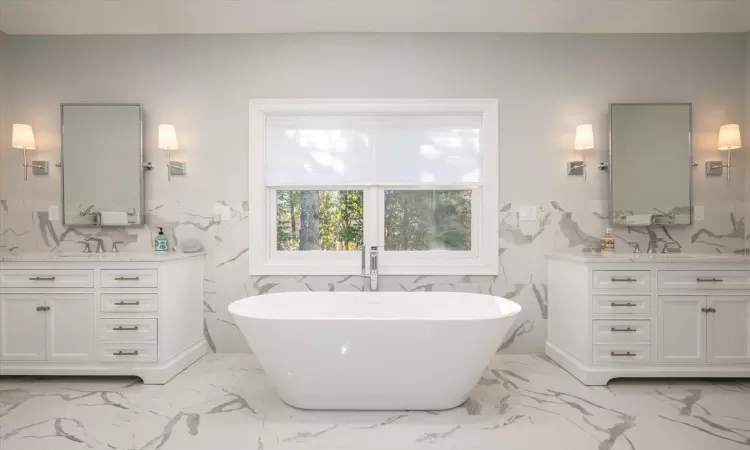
[(101, 314), (613, 316)]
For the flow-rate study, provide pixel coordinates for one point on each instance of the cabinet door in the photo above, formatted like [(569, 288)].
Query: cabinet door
[(728, 329), (681, 329), (22, 327), (70, 327)]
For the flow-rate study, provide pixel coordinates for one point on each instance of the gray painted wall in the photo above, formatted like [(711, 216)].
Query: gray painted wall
[(746, 130), (546, 85), (4, 97)]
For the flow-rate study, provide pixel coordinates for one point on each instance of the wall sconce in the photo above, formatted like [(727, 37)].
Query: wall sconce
[(729, 139), (584, 141), (23, 138), (168, 142)]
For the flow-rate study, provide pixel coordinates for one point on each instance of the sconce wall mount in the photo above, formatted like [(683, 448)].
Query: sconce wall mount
[(23, 138), (168, 142), (729, 139), (584, 141)]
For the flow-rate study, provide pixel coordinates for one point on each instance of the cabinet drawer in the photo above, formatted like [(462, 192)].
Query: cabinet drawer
[(126, 353), (25, 278), (622, 304), (622, 330), (138, 278), (622, 354), (127, 330), (704, 279), (622, 279), (128, 303)]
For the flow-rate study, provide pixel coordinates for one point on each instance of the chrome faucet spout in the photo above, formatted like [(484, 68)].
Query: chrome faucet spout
[(374, 268), (372, 275)]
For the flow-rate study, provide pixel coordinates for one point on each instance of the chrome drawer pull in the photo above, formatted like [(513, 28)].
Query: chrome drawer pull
[(623, 280), (122, 353), (42, 279), (127, 278), (121, 328), (627, 330), (709, 280), (622, 304), (135, 303), (622, 354)]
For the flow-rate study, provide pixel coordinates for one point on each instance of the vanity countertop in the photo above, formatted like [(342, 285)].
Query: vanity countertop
[(94, 257), (676, 258)]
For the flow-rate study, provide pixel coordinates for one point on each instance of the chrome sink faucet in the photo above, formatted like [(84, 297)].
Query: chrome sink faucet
[(653, 245), (373, 275), (99, 243)]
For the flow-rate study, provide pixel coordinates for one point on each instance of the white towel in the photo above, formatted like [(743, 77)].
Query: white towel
[(638, 219), (113, 218)]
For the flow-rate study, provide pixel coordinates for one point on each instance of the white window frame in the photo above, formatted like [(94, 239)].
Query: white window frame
[(481, 260)]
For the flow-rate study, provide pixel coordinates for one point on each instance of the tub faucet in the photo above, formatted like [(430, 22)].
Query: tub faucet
[(373, 275)]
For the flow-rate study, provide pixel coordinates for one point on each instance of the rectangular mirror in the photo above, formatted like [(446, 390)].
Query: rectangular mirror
[(650, 164), (102, 161)]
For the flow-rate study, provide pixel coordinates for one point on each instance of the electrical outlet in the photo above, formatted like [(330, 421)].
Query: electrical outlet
[(54, 212), (698, 213), (527, 213)]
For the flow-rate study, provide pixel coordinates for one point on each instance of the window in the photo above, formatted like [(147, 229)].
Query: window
[(416, 178), (427, 220)]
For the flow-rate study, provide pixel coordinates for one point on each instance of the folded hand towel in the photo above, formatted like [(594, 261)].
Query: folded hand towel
[(113, 218)]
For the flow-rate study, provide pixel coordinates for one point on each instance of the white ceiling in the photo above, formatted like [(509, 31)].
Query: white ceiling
[(289, 16)]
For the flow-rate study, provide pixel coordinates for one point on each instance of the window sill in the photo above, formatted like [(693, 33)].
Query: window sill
[(307, 269)]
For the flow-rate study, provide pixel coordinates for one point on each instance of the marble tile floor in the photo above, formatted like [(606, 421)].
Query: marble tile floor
[(225, 402)]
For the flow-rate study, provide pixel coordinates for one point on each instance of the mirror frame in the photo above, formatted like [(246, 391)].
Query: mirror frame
[(609, 166), (142, 213)]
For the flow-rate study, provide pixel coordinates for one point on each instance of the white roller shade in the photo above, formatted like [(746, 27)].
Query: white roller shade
[(408, 149)]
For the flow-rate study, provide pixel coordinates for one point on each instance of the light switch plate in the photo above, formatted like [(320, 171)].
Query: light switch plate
[(224, 212), (527, 213), (698, 213), (54, 212)]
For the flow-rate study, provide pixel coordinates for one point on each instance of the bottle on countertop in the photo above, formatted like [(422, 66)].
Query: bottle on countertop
[(161, 243), (608, 242)]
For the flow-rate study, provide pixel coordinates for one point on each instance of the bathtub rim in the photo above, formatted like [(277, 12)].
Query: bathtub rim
[(516, 309)]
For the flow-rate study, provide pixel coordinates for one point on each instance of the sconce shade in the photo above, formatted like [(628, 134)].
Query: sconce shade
[(167, 137), (23, 136), (729, 137), (584, 137)]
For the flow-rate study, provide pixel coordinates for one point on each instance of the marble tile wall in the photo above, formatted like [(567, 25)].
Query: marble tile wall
[(546, 86)]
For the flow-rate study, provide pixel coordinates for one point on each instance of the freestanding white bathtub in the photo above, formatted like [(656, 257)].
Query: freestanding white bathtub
[(374, 350)]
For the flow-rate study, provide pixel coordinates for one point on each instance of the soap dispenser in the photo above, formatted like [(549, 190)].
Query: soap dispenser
[(161, 243)]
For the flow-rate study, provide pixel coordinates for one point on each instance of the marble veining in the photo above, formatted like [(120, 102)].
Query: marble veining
[(225, 402), (568, 224)]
